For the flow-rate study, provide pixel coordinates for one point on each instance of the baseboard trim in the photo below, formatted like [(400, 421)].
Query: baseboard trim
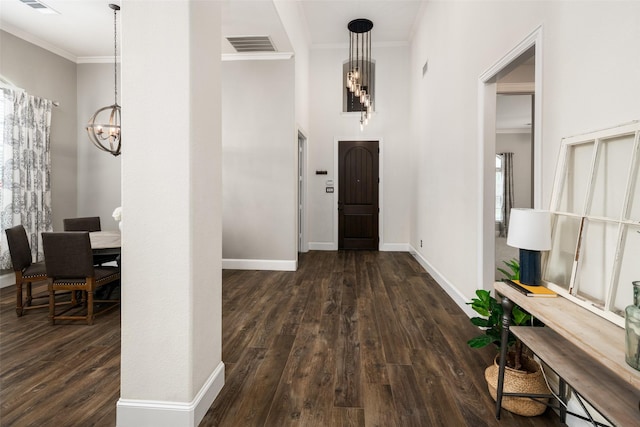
[(322, 246), (394, 247), (7, 280), (134, 413), (447, 286), (259, 264)]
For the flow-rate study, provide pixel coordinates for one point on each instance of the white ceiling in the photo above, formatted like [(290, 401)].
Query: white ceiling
[(83, 29)]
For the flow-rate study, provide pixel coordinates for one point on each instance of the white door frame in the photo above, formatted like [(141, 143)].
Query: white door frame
[(487, 91), (302, 179)]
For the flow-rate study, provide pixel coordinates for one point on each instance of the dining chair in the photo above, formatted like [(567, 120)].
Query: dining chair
[(89, 223), (69, 263), (25, 269)]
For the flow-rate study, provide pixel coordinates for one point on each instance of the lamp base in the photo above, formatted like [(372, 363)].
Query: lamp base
[(530, 267)]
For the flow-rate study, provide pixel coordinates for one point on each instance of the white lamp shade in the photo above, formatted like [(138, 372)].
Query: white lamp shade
[(530, 229)]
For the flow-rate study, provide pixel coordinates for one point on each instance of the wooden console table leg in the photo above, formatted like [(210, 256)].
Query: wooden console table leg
[(507, 307)]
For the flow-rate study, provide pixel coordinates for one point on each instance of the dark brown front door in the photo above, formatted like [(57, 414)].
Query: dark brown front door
[(358, 195)]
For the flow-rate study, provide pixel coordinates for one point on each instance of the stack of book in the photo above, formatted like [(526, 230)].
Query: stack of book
[(531, 291)]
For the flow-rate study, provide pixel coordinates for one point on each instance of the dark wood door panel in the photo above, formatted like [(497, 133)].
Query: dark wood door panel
[(358, 173)]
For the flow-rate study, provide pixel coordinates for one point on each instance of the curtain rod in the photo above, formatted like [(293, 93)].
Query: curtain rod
[(8, 84)]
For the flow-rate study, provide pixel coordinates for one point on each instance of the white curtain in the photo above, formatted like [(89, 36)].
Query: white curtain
[(25, 169)]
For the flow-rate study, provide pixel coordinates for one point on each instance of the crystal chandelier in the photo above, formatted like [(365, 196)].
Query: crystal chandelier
[(359, 78), (104, 134)]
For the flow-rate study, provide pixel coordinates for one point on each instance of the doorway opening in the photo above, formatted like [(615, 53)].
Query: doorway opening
[(515, 184), (515, 78)]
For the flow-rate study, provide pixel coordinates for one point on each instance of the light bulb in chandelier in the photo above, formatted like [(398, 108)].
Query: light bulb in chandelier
[(363, 95), (357, 91)]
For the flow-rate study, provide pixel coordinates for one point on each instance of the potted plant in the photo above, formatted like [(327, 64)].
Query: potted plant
[(514, 266), (522, 373)]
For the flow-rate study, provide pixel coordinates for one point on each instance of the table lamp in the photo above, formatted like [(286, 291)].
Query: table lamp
[(530, 231)]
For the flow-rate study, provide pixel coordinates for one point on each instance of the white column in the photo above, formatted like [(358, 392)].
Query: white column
[(172, 366)]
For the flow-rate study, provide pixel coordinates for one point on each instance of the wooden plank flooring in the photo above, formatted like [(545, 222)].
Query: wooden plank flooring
[(350, 339)]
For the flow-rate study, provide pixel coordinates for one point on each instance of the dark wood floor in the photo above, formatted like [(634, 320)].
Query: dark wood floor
[(350, 339)]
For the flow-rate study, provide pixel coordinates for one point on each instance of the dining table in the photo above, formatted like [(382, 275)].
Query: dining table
[(105, 242)]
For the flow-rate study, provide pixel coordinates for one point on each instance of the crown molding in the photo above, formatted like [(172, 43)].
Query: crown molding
[(38, 42), (346, 45)]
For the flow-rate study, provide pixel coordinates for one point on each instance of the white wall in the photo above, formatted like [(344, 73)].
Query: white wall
[(171, 364), (98, 171), (589, 82), (24, 64), (390, 124), (294, 23), (260, 164)]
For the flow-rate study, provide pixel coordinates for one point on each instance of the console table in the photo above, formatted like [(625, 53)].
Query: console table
[(584, 349)]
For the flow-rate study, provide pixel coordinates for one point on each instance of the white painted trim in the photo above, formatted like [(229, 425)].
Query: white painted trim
[(448, 287), (259, 264), (39, 42), (487, 90), (323, 246), (7, 280), (134, 413), (516, 87), (269, 56), (514, 130), (346, 45), (336, 141), (394, 247), (305, 190), (96, 60)]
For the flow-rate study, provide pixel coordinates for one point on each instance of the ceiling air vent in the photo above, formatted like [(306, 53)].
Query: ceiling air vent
[(252, 44), (40, 7)]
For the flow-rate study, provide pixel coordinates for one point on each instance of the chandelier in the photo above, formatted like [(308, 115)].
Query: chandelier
[(359, 77), (104, 134)]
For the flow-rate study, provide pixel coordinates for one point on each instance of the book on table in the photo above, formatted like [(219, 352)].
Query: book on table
[(531, 291)]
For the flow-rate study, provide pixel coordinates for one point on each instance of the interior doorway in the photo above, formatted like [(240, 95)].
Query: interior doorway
[(358, 195), (302, 184), (514, 162), (491, 83)]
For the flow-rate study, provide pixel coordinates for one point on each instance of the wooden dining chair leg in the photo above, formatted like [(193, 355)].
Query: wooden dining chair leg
[(89, 308), (29, 294), (19, 309), (52, 303)]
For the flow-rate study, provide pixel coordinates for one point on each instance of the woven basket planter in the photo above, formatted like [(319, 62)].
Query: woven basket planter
[(529, 380)]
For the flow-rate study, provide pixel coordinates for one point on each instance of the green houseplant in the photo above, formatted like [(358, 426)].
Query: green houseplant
[(491, 322), (514, 267), (522, 373)]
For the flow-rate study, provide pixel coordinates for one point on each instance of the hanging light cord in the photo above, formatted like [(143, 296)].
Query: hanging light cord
[(115, 54)]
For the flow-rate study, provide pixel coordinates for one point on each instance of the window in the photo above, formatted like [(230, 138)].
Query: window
[(595, 211), (499, 189)]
